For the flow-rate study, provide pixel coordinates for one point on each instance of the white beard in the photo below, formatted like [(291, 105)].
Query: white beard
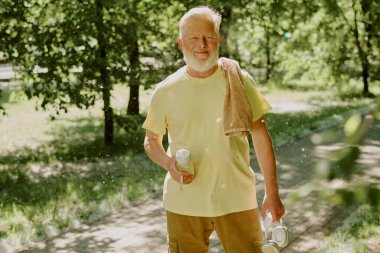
[(201, 66)]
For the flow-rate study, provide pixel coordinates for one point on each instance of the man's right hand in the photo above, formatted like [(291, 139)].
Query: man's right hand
[(176, 174), (155, 151)]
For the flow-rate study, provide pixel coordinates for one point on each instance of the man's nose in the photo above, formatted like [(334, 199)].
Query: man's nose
[(202, 41)]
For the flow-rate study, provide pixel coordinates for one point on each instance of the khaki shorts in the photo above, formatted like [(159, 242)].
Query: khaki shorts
[(239, 232)]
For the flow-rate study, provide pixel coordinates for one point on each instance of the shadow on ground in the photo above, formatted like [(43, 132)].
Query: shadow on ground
[(128, 230)]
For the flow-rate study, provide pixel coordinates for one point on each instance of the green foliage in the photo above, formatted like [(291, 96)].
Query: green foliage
[(73, 52), (358, 233), (340, 164), (353, 52), (258, 22)]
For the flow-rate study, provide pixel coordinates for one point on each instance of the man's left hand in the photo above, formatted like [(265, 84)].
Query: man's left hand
[(272, 203)]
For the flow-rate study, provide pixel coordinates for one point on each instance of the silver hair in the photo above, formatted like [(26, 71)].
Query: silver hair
[(201, 10)]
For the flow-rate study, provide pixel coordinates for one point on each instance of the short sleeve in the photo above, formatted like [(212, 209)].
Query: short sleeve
[(156, 118), (259, 105)]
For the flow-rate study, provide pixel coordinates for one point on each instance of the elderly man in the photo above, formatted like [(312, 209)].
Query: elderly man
[(220, 192)]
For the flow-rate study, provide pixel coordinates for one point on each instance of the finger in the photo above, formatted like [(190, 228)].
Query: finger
[(177, 177), (174, 170), (186, 174), (187, 180), (264, 212)]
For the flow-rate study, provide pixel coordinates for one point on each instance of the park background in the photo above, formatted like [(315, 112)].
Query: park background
[(77, 77)]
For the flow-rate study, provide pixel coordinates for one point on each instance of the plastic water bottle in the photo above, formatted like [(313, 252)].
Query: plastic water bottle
[(184, 163)]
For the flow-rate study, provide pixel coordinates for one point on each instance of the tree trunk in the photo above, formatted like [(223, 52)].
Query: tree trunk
[(362, 55), (368, 29), (134, 85), (267, 51), (104, 77), (365, 74), (108, 117), (133, 103), (224, 32)]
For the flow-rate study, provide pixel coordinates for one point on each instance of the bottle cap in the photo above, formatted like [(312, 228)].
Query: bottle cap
[(182, 156)]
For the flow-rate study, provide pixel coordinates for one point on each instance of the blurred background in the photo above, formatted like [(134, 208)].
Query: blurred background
[(76, 78)]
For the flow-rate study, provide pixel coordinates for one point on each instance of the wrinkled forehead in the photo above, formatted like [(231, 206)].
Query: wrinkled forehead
[(198, 24)]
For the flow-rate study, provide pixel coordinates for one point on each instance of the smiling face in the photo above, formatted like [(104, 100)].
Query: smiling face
[(199, 43)]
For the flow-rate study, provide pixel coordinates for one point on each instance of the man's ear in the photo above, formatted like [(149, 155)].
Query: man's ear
[(179, 41)]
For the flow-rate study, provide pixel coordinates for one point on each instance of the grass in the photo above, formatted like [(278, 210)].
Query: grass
[(358, 234), (55, 175), (285, 127)]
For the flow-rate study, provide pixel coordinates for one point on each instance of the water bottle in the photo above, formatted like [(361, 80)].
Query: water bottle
[(279, 235), (184, 163)]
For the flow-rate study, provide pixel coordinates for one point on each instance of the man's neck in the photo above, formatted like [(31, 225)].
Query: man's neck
[(196, 74)]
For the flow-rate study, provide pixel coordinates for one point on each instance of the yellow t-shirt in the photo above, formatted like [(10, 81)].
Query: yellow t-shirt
[(191, 110)]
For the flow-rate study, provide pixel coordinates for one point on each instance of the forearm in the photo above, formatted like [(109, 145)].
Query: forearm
[(267, 163), (155, 151), (265, 156)]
